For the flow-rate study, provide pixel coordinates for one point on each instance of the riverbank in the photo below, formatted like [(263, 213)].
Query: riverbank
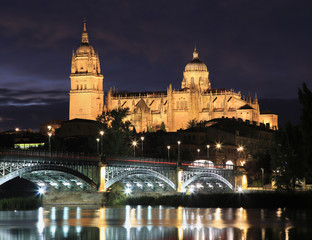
[(229, 200), (19, 203)]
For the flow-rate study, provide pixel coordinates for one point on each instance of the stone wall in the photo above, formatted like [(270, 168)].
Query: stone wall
[(74, 198)]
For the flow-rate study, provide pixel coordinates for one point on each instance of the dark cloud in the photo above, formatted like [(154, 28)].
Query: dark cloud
[(252, 46)]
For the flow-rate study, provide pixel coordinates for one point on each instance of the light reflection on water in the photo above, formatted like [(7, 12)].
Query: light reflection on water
[(155, 223)]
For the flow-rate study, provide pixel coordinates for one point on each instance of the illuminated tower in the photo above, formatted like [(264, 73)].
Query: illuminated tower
[(86, 93)]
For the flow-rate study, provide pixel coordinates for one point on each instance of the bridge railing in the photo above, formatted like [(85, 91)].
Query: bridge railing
[(52, 154), (162, 161), (213, 166), (140, 160)]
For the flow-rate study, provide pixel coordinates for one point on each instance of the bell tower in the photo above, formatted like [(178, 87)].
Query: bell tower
[(86, 93)]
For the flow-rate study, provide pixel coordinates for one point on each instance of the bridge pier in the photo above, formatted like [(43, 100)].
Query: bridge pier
[(102, 187), (179, 179), (241, 180)]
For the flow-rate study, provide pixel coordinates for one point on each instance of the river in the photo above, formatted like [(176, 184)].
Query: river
[(155, 223)]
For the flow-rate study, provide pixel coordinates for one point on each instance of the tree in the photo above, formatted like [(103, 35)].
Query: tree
[(288, 163), (163, 127), (192, 123), (305, 99), (117, 134)]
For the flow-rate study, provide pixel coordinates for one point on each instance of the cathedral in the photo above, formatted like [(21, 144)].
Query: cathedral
[(149, 111)]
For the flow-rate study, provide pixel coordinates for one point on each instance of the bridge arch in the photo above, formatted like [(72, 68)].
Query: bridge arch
[(209, 175), (45, 167), (140, 171)]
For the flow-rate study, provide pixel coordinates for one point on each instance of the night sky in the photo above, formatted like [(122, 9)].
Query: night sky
[(249, 46)]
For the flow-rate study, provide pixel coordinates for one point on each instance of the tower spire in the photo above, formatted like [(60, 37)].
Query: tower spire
[(85, 38), (84, 25)]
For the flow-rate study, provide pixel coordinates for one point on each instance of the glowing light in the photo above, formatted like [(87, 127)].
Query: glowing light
[(41, 191), (191, 189), (218, 145), (179, 142), (168, 147), (240, 189), (128, 191), (134, 143), (101, 133), (142, 138), (198, 185), (49, 127)]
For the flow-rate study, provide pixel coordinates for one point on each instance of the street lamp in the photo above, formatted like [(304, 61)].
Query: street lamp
[(218, 146), (168, 147), (198, 151), (142, 139), (179, 143), (134, 143), (239, 150), (97, 146), (49, 134), (262, 174), (208, 146), (102, 133)]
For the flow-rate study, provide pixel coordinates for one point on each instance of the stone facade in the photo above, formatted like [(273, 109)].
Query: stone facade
[(148, 110)]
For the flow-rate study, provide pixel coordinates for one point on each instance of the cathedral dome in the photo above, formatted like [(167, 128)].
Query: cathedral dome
[(196, 64), (85, 48)]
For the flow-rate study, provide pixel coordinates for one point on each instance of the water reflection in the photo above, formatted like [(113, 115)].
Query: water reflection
[(155, 223)]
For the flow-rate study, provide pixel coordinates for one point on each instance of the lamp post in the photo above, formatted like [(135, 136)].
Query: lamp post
[(262, 177), (198, 151), (218, 146), (49, 134), (208, 146), (97, 146), (179, 143), (134, 143), (102, 133), (239, 150), (168, 147), (142, 139)]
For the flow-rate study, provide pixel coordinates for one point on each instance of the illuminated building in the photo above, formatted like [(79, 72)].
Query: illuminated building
[(171, 108)]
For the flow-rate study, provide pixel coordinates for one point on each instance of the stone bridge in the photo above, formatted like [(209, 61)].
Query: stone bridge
[(80, 173)]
